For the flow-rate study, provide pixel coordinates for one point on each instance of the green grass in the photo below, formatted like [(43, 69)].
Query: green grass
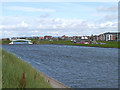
[(12, 70), (109, 44), (112, 44), (0, 68)]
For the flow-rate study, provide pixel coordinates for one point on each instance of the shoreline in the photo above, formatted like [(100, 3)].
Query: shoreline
[(61, 44), (78, 45), (54, 83)]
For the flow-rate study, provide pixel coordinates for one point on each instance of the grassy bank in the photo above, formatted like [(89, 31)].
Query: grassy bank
[(109, 44), (0, 68), (12, 72)]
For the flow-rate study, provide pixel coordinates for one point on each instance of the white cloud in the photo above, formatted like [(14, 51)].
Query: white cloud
[(23, 24), (53, 26), (14, 26), (1, 26), (30, 9), (108, 24)]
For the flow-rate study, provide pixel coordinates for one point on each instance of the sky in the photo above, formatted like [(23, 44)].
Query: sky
[(26, 19)]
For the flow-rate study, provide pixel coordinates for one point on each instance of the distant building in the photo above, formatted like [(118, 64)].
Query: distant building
[(80, 39), (112, 36), (77, 38), (84, 39), (5, 39), (54, 38), (41, 38), (47, 37), (109, 36), (29, 38), (65, 37), (96, 37), (35, 37), (59, 38)]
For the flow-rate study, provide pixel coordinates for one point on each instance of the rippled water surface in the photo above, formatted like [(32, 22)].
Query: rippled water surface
[(74, 66)]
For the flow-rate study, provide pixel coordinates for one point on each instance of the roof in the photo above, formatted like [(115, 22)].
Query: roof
[(112, 33)]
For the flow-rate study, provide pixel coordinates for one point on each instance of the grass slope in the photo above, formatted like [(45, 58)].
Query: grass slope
[(0, 68), (12, 70)]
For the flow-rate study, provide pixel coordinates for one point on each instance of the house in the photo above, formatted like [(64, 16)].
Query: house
[(29, 38), (54, 38), (80, 39), (84, 39), (35, 37), (5, 38), (65, 37), (71, 38), (59, 38), (77, 38), (47, 37), (41, 38)]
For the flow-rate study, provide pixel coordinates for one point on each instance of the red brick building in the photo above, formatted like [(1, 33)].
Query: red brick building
[(47, 37)]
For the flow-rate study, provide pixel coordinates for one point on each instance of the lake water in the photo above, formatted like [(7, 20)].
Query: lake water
[(74, 66)]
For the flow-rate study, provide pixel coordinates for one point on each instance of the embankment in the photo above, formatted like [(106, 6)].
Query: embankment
[(12, 71)]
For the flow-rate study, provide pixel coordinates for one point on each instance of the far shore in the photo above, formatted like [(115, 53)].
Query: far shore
[(108, 44), (62, 44)]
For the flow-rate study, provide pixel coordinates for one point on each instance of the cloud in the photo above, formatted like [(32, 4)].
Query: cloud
[(23, 24), (107, 9), (37, 26), (108, 24), (30, 9), (13, 26)]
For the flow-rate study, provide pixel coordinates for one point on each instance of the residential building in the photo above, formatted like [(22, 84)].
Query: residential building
[(112, 36), (41, 38), (47, 37), (5, 38), (109, 36), (65, 37)]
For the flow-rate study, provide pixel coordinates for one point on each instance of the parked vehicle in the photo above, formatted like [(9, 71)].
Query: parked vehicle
[(86, 43), (83, 42)]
